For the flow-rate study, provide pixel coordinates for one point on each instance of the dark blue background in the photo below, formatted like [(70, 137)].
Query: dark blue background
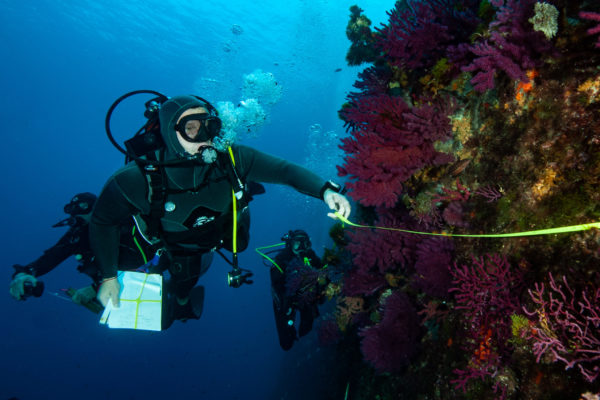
[(63, 64)]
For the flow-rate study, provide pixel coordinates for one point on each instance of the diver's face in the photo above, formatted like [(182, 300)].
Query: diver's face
[(192, 147)]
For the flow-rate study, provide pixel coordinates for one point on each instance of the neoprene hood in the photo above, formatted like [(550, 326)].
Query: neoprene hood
[(169, 113)]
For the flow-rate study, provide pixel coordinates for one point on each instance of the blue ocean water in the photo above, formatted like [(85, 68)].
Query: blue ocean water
[(63, 64)]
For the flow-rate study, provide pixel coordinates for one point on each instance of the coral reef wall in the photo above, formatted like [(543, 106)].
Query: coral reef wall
[(471, 117)]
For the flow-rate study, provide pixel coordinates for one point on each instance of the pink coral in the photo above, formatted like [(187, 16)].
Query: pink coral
[(388, 345), (593, 17), (412, 35), (490, 193), (383, 250), (434, 258), (361, 283), (462, 193), (569, 325), (454, 214), (390, 142), (419, 33), (513, 47), (487, 292)]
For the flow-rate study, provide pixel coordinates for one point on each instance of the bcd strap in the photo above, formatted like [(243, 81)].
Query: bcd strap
[(157, 195)]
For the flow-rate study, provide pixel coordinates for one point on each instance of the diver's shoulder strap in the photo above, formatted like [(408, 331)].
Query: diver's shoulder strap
[(157, 193)]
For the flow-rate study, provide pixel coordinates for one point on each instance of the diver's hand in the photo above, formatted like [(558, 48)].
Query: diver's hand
[(83, 295), (337, 202), (17, 285), (109, 290)]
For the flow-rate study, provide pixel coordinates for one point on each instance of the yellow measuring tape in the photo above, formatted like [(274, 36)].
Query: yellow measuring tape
[(234, 201), (550, 231)]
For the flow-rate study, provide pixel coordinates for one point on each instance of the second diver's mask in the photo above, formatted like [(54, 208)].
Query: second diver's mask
[(80, 204), (297, 241)]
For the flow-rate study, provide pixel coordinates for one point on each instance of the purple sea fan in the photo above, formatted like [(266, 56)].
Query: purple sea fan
[(379, 158), (376, 252), (430, 120), (377, 114), (419, 33), (390, 142), (593, 17), (372, 81), (490, 193), (361, 283), (434, 258), (384, 249), (489, 60), (513, 47), (569, 326), (488, 291), (389, 345), (412, 35), (454, 214)]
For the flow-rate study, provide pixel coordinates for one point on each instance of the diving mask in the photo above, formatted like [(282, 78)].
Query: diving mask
[(197, 128), (80, 204), (297, 241), (300, 246)]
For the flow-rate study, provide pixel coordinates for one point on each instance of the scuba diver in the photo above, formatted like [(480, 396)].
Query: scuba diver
[(192, 199), (75, 242), (296, 285)]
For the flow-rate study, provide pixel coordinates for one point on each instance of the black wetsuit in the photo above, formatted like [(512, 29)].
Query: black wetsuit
[(198, 209), (284, 307), (76, 242)]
